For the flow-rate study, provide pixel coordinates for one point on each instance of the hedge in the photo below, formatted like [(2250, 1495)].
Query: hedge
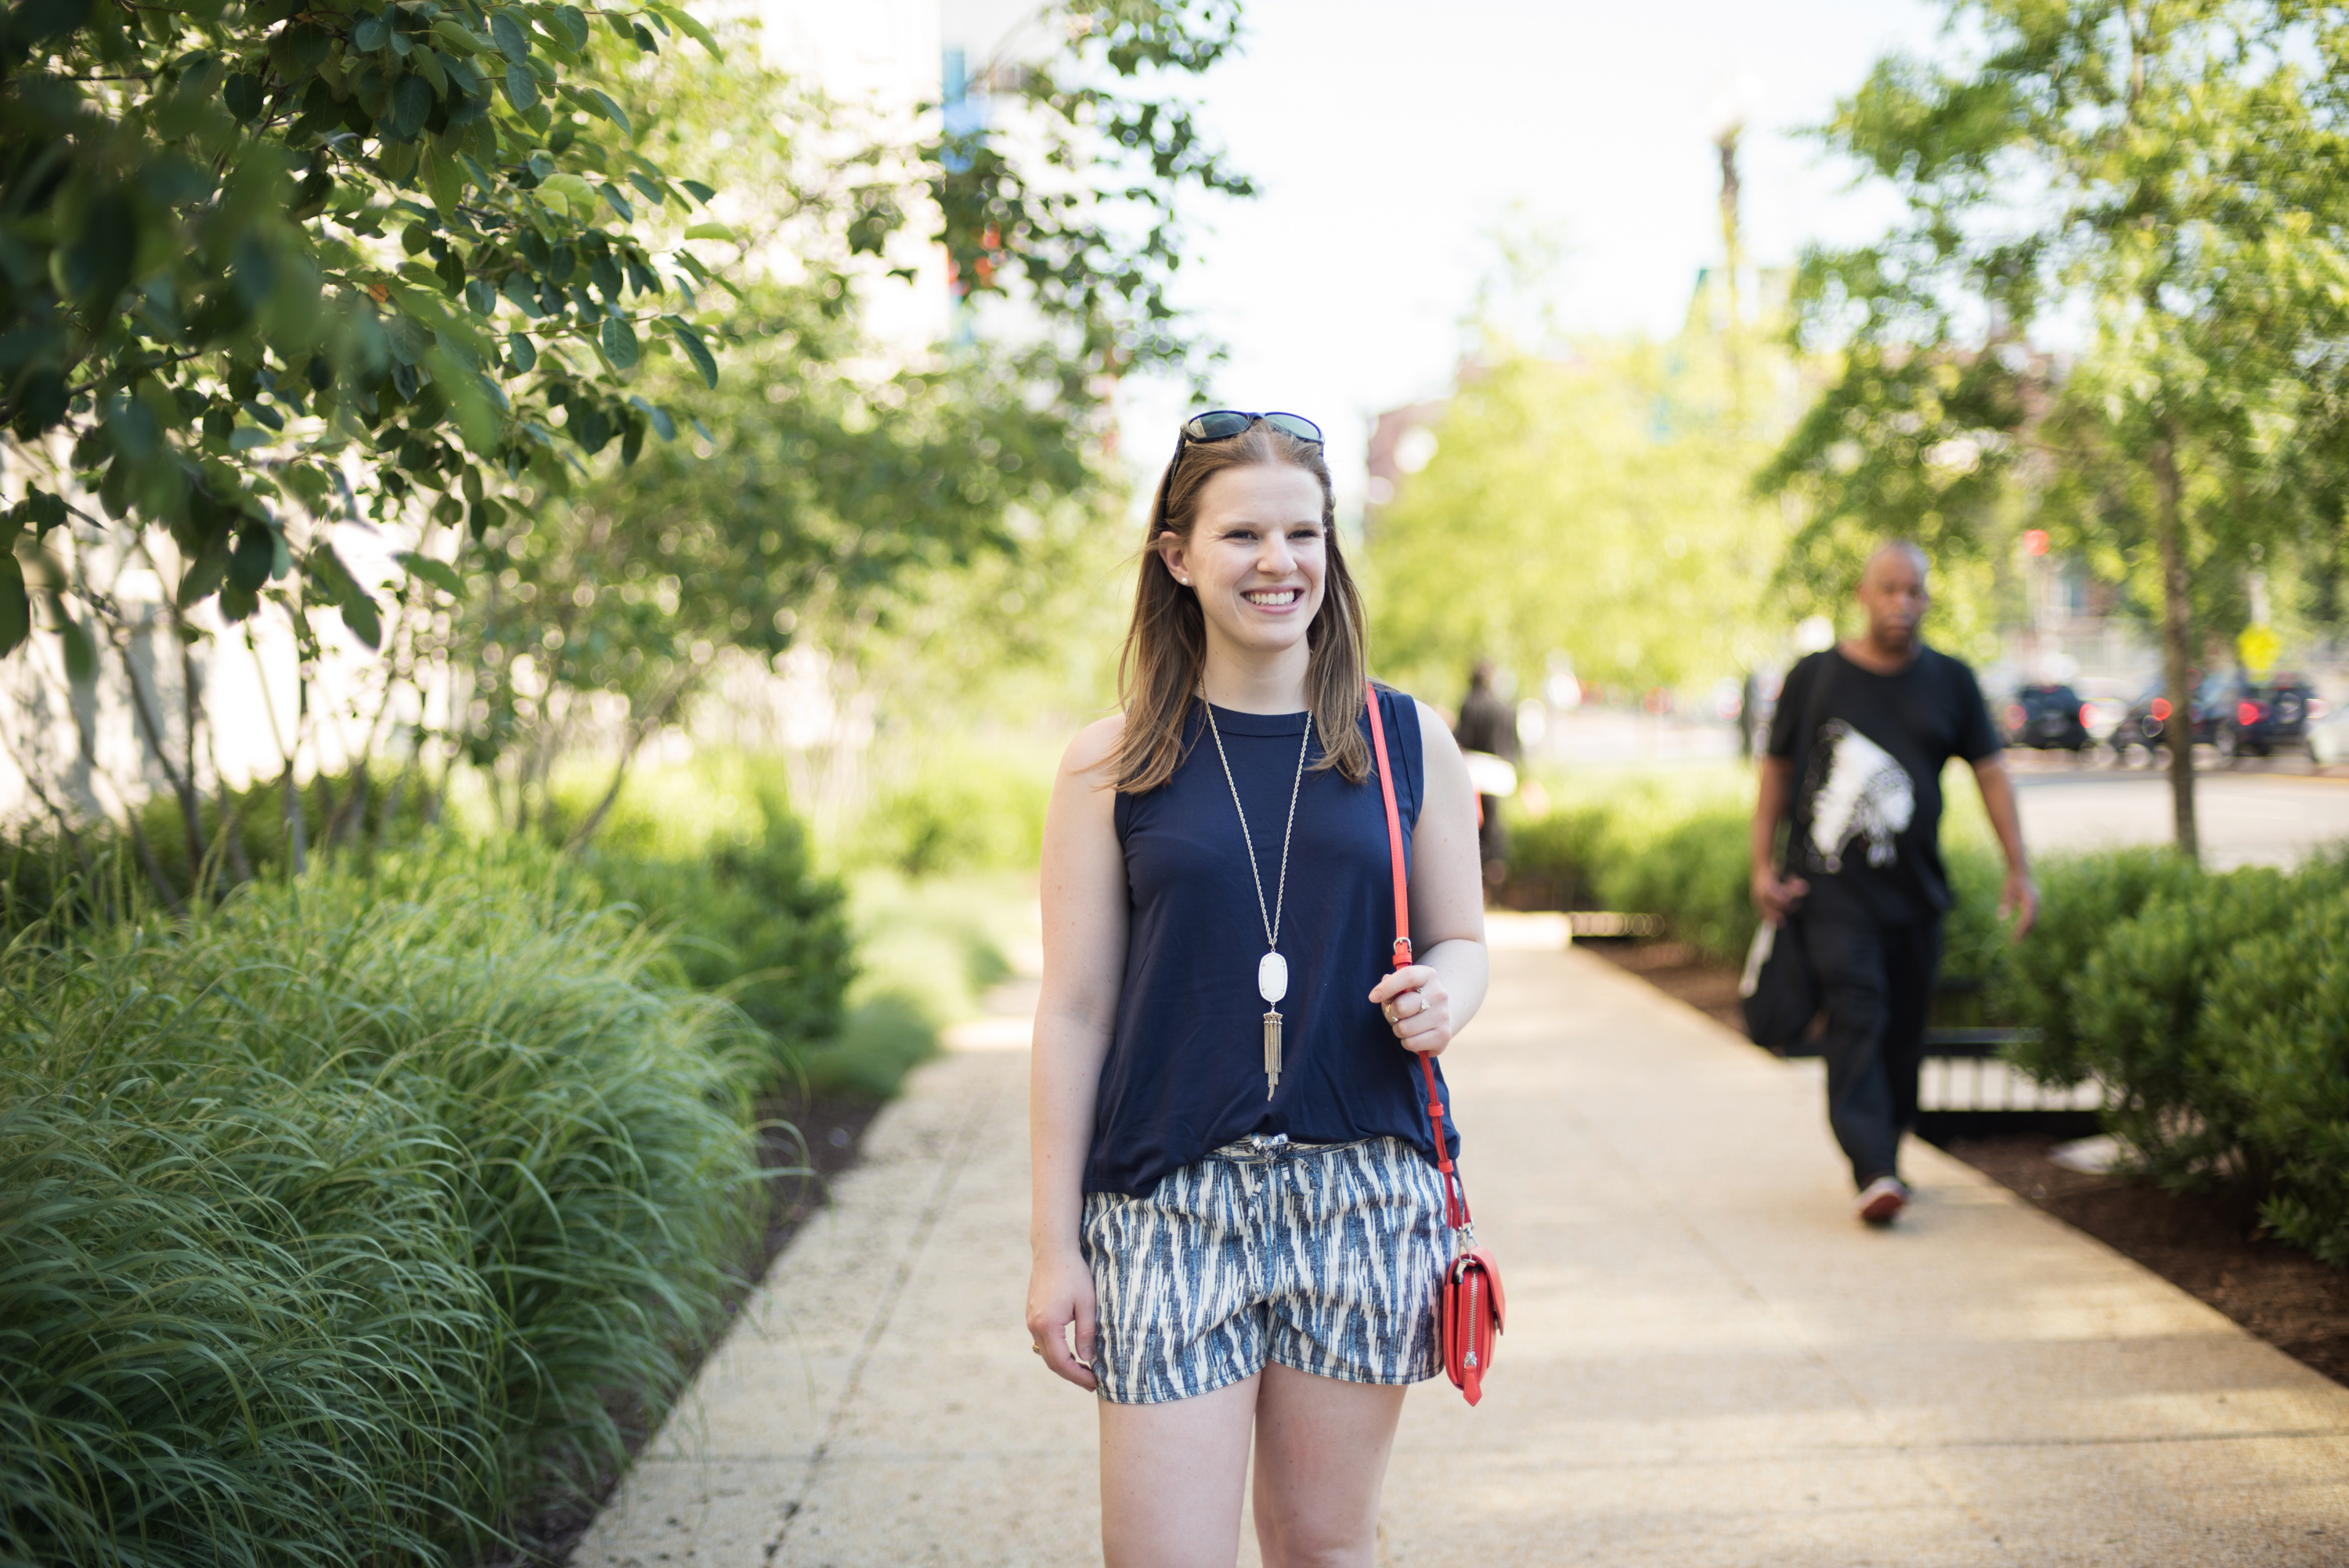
[(2213, 1008)]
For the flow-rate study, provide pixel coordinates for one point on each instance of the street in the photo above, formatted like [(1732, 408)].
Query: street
[(2248, 815)]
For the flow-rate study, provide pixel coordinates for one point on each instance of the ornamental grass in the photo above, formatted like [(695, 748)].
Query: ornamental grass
[(335, 1221)]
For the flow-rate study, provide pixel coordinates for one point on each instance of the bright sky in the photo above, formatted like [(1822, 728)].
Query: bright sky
[(1388, 139)]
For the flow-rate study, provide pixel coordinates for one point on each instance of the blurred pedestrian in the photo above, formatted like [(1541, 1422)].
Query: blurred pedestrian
[(1488, 729), (1854, 767), (1238, 1226), (1749, 715)]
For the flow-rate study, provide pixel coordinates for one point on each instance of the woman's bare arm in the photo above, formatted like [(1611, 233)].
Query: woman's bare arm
[(1084, 899), (1435, 998)]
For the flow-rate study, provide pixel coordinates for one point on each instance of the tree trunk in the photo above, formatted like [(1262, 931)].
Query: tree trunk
[(638, 735), (151, 727), (2177, 635)]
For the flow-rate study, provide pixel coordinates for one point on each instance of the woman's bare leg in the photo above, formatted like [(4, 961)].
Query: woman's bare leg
[(1172, 1476), (1321, 1447)]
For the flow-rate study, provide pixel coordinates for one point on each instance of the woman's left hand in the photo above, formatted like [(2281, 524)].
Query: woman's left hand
[(1417, 1007)]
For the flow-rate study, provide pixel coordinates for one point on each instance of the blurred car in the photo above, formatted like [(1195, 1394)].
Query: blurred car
[(2148, 720), (2046, 718), (2231, 713), (2267, 716)]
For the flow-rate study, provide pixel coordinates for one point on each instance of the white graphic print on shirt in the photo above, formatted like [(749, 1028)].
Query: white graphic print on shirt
[(1865, 793)]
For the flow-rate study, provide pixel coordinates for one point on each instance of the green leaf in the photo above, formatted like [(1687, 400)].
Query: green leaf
[(662, 424), (248, 565), (440, 573), (511, 37), (709, 231), (456, 36), (429, 64), (521, 351), (369, 33), (602, 104), (522, 87), (411, 101), (81, 652), (693, 29), (576, 193), (694, 349), (16, 604), (445, 182), (365, 621), (617, 202), (652, 192), (619, 341), (204, 573), (574, 22), (241, 93), (700, 191)]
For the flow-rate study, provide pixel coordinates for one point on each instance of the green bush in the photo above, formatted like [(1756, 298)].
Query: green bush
[(1554, 859), (957, 813), (2277, 1018), (331, 1219), (2140, 1017), (1693, 873), (2082, 898), (713, 857)]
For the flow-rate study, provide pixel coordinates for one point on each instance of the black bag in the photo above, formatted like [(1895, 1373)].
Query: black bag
[(1777, 993)]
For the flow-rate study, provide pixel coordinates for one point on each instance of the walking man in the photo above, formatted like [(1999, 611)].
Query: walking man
[(1857, 748)]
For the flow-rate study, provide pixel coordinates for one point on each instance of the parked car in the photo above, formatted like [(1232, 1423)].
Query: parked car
[(2046, 718), (2148, 720), (2232, 714)]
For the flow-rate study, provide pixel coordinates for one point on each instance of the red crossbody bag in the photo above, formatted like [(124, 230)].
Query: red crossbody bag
[(1469, 1309)]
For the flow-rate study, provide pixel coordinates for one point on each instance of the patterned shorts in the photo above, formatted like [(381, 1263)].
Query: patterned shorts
[(1323, 1257)]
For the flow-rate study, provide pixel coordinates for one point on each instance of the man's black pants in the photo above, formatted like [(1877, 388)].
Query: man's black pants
[(1876, 983)]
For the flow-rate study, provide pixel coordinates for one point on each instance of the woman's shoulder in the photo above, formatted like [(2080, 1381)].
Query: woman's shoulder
[(1095, 744), (1401, 703)]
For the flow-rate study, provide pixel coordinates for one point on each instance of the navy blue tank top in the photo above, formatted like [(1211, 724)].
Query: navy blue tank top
[(1185, 1072)]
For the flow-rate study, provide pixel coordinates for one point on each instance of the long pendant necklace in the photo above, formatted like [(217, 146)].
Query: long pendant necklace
[(1272, 969)]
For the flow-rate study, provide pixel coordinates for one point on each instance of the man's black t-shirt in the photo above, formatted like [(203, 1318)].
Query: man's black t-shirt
[(1867, 753)]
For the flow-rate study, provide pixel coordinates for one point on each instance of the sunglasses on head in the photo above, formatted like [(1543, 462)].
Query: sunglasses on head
[(1223, 424)]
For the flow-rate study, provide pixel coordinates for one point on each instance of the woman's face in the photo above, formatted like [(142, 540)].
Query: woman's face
[(1256, 555)]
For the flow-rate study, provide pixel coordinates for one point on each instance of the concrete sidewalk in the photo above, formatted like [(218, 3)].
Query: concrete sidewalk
[(1708, 1360)]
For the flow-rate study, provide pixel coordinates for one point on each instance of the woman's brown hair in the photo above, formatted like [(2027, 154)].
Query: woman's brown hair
[(1167, 645)]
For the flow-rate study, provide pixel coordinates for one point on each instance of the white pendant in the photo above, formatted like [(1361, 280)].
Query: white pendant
[(1272, 976)]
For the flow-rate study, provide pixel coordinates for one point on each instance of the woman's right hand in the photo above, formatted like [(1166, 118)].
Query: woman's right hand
[(1060, 1294)]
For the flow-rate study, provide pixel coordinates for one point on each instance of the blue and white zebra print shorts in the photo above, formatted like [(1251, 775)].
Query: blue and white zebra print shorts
[(1326, 1258)]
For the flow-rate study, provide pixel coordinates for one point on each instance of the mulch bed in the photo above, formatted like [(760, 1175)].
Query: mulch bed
[(2205, 1244), (818, 1137)]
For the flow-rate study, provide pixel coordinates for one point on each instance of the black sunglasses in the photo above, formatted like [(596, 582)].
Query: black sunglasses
[(1223, 424)]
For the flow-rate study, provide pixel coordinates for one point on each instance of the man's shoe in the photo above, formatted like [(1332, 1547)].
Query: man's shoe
[(1882, 1198)]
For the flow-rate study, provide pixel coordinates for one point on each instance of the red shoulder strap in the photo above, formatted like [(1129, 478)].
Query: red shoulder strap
[(1455, 1196)]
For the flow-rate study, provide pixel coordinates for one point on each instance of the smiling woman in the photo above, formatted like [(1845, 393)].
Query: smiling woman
[(1239, 1229)]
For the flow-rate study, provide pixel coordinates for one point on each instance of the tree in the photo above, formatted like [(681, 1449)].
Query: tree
[(2158, 168), (267, 260), (308, 329), (825, 497), (1597, 505)]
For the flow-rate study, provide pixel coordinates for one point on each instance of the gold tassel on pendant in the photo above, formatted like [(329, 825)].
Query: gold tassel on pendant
[(1271, 1053)]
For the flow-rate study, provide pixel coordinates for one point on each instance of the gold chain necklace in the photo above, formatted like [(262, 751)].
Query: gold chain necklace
[(1272, 969)]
